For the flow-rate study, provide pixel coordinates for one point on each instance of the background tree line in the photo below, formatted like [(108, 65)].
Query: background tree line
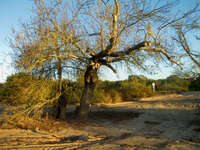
[(22, 88)]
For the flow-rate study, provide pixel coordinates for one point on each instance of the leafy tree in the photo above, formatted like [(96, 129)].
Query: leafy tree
[(91, 34)]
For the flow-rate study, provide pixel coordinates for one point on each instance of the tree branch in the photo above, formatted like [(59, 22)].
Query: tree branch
[(131, 49), (105, 63), (160, 50), (186, 47), (182, 40)]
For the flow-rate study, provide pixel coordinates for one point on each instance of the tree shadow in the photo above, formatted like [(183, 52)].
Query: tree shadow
[(154, 124)]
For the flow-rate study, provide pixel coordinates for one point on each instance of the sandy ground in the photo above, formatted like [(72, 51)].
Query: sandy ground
[(170, 122)]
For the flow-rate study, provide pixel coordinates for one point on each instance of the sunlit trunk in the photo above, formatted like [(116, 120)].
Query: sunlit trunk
[(90, 79)]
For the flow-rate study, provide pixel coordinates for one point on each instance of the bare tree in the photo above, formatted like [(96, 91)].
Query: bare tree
[(95, 34), (123, 32), (183, 33), (40, 49)]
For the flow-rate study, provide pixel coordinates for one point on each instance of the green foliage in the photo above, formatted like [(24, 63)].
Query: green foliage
[(173, 84), (1, 91), (99, 96), (106, 96), (117, 91), (135, 87), (115, 95), (25, 89), (32, 97), (195, 83), (22, 88), (72, 91)]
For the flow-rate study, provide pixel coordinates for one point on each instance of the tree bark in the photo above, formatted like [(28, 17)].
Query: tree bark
[(61, 107), (90, 79), (62, 103)]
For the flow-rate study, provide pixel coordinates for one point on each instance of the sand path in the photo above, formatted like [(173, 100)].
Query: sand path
[(169, 122)]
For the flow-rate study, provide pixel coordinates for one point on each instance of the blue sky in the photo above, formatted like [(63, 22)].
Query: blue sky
[(12, 11)]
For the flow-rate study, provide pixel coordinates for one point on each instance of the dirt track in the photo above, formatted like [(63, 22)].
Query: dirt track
[(166, 122)]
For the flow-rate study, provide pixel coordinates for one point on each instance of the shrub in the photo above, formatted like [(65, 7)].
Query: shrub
[(195, 83), (22, 89), (106, 96), (72, 92), (115, 95), (135, 88), (100, 96), (13, 88), (32, 97)]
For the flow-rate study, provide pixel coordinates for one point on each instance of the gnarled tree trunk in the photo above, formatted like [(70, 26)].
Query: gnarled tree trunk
[(90, 79)]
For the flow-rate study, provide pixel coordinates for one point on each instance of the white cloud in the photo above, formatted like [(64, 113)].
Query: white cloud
[(6, 68)]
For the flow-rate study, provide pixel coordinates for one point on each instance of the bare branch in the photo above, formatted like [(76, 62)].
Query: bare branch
[(184, 43), (128, 51), (105, 63), (160, 50), (182, 17)]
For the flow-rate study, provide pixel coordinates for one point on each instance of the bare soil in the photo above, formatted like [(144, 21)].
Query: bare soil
[(170, 122)]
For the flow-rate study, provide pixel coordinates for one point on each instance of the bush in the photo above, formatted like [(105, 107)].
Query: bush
[(135, 88), (173, 84), (115, 95), (134, 93), (106, 96), (22, 89), (195, 83), (32, 97), (72, 92), (99, 96)]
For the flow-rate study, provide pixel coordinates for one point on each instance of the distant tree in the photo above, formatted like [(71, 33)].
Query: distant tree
[(91, 34)]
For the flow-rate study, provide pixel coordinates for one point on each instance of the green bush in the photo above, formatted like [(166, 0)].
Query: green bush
[(195, 85), (135, 87), (115, 95), (173, 83), (72, 92), (136, 92), (99, 96), (22, 88), (106, 96)]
